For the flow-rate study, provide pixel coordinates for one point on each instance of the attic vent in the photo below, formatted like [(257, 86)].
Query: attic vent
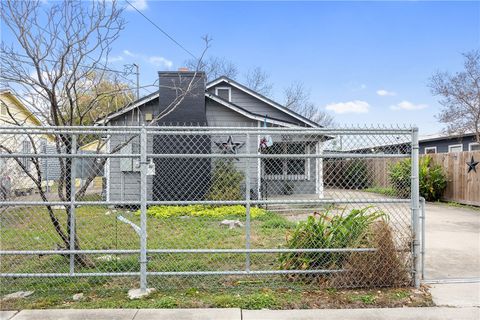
[(224, 93)]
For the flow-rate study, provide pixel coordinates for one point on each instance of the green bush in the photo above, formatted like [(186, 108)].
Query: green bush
[(432, 179), (203, 211), (226, 181), (326, 231), (355, 175)]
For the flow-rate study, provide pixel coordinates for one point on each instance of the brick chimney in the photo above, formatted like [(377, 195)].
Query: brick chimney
[(188, 87)]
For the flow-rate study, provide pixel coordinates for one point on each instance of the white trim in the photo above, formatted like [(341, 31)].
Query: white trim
[(455, 145), (248, 114), (319, 187), (430, 148), (263, 99), (259, 165), (472, 144), (106, 169), (225, 88)]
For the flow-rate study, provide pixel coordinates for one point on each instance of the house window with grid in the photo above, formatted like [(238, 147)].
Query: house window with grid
[(290, 169)]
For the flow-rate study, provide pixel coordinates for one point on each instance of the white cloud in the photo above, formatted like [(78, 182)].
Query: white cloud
[(385, 93), (115, 59), (160, 62), (356, 106), (157, 61), (139, 4), (407, 105), (128, 53)]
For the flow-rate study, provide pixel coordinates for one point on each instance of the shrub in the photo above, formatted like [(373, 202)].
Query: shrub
[(226, 181), (324, 231), (203, 211), (355, 175), (432, 180)]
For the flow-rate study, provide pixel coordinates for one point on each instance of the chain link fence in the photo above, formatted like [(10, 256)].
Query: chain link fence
[(205, 207)]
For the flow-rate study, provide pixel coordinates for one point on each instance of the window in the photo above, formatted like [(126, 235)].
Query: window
[(455, 148), (3, 109), (429, 150), (26, 148), (224, 92), (130, 164), (293, 169), (473, 146)]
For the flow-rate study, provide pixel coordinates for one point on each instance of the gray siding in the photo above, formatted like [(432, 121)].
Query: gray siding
[(124, 186), (255, 105), (442, 145)]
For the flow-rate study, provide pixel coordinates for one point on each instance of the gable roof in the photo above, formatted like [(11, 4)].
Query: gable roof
[(135, 104), (248, 114), (131, 106), (28, 114), (263, 99)]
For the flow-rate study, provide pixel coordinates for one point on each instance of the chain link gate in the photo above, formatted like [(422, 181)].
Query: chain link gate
[(209, 207)]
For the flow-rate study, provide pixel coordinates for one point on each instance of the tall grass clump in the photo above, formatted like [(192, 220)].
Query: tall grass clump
[(324, 231), (384, 267)]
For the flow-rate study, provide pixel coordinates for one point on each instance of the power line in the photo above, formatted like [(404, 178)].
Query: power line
[(85, 66), (161, 30)]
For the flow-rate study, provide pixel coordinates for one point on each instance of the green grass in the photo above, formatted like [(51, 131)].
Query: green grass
[(29, 228), (235, 297)]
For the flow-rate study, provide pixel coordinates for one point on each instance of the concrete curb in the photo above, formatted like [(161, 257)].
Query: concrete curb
[(434, 313)]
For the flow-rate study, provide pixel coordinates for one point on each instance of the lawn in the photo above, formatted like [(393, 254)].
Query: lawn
[(29, 228)]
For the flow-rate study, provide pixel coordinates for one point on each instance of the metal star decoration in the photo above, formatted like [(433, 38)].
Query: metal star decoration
[(229, 146), (472, 165)]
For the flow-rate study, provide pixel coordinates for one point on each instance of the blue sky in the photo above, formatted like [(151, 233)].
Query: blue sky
[(364, 62)]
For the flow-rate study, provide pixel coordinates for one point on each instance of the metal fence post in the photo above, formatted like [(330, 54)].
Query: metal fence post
[(415, 198), (72, 202), (247, 205), (422, 252), (143, 209)]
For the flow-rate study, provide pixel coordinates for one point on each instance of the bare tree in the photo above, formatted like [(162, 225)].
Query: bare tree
[(297, 98), (460, 96), (214, 67), (258, 80), (58, 47)]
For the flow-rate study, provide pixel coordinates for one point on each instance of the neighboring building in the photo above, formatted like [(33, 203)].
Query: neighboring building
[(220, 103), (442, 143), (13, 178)]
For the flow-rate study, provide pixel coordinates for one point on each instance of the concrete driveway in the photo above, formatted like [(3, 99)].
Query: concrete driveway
[(452, 242), (453, 254)]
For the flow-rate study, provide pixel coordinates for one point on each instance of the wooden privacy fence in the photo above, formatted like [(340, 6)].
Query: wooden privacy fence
[(462, 186)]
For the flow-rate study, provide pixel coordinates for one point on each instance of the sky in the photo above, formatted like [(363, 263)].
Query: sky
[(363, 62)]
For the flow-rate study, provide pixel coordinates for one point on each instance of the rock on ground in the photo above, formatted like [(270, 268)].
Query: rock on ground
[(138, 294), (17, 295)]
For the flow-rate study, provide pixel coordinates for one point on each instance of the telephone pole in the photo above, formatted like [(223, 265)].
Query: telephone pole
[(137, 73)]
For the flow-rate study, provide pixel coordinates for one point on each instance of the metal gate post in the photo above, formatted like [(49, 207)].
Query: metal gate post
[(72, 235), (143, 209), (247, 206), (422, 252), (415, 198)]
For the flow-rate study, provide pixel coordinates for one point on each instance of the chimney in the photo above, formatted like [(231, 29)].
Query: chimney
[(184, 91)]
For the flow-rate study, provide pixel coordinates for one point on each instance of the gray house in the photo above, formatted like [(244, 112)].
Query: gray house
[(222, 102)]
